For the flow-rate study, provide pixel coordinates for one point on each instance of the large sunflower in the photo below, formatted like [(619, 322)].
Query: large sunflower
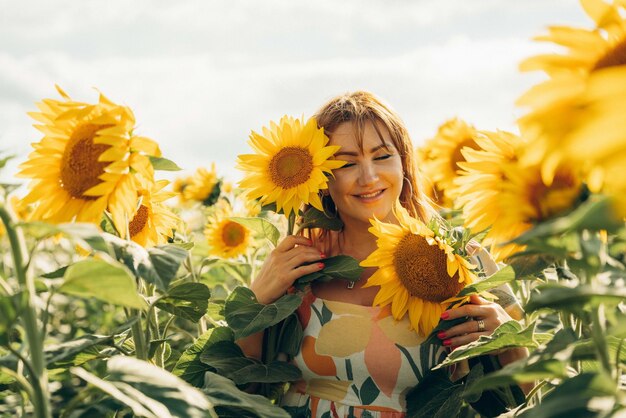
[(226, 238), (203, 186), (521, 199), (153, 223), (442, 153), (88, 161), (418, 272), (480, 185), (577, 114), (290, 165)]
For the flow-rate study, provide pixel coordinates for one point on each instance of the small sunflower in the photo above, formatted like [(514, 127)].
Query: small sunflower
[(179, 185), (419, 273), (88, 161), (442, 153), (290, 166), (203, 186), (480, 185), (226, 238), (577, 114), (153, 223)]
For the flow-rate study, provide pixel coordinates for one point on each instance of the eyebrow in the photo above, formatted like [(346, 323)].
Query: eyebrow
[(355, 154)]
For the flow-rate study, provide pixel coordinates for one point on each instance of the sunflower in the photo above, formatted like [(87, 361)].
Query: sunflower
[(203, 186), (153, 223), (418, 272), (480, 185), (521, 199), (290, 165), (89, 161), (443, 153), (226, 238), (577, 114)]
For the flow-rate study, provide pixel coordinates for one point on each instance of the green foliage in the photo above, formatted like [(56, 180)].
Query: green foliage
[(263, 228), (102, 280), (187, 300), (338, 267), (148, 390), (163, 164), (246, 316)]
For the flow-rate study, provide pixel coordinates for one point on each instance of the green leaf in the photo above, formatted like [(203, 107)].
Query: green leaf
[(505, 275), (85, 233), (189, 367), (595, 214), (5, 160), (222, 271), (582, 396), (246, 316), (338, 267), (573, 299), (99, 279), (430, 395), (230, 361), (188, 300), (314, 218), (228, 400), (10, 310), (157, 265), (263, 227), (508, 335), (58, 273), (149, 390), (290, 335), (528, 266), (67, 353), (163, 164)]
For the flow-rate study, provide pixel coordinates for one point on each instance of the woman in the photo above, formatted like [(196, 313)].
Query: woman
[(354, 357)]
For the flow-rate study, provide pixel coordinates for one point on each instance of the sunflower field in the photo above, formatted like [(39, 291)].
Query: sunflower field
[(122, 294)]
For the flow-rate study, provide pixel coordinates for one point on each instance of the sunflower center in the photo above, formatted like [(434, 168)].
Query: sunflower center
[(613, 58), (422, 269), (139, 221), (80, 168), (233, 234), (457, 156), (291, 166), (558, 197)]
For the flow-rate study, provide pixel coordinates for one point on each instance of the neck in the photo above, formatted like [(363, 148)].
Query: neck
[(356, 240)]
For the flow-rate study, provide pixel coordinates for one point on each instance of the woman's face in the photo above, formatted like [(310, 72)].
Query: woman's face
[(370, 182)]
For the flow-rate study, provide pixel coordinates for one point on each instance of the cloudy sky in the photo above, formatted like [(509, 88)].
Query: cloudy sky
[(201, 74)]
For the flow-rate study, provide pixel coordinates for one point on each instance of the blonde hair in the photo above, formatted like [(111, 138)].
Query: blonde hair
[(360, 108)]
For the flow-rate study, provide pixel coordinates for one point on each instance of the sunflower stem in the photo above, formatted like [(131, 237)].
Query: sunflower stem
[(138, 338), (38, 377), (291, 223)]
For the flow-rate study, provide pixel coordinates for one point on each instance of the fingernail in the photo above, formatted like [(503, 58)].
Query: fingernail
[(447, 342), (441, 335), (322, 255), (445, 315), (320, 265)]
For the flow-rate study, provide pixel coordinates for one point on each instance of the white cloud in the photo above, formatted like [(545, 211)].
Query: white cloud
[(201, 75)]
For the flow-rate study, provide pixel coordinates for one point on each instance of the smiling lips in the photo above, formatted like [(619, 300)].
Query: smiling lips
[(370, 196)]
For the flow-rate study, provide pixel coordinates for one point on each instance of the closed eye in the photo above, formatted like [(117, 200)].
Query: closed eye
[(384, 157)]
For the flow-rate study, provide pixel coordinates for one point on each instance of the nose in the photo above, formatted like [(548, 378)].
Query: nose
[(368, 174)]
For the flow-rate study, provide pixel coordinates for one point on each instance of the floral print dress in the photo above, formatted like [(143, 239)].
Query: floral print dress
[(356, 361)]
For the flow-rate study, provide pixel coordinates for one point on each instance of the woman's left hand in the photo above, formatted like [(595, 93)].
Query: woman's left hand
[(484, 318)]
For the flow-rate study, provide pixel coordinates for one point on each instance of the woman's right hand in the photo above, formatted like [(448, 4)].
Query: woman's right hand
[(283, 266)]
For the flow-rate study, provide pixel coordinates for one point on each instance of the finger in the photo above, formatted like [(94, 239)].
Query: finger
[(305, 269), (467, 327), (291, 241), (302, 255), (463, 339), (478, 311), (478, 300)]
